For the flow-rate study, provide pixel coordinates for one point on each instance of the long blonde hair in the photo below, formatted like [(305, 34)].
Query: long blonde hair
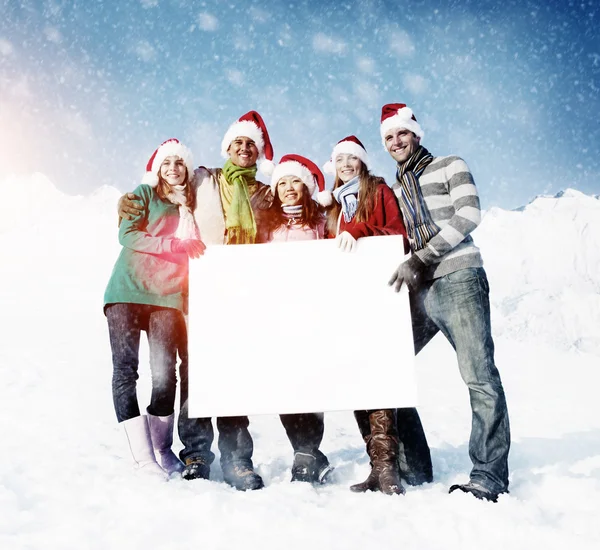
[(367, 198)]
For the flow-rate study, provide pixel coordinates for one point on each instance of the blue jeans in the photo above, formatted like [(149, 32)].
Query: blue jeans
[(458, 305), (162, 325), (197, 434)]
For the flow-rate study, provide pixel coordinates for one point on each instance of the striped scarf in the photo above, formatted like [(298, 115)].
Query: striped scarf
[(347, 196), (419, 225), (293, 214)]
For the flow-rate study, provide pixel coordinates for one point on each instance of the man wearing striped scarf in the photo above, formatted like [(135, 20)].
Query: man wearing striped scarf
[(448, 286)]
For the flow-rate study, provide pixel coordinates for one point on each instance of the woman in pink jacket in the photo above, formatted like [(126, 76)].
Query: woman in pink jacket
[(295, 216)]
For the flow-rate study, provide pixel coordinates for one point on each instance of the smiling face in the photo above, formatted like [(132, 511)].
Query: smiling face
[(401, 143), (290, 190), (347, 166), (243, 152), (173, 170)]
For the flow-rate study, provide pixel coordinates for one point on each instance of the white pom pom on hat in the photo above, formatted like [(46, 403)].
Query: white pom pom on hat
[(266, 167), (168, 148), (398, 115)]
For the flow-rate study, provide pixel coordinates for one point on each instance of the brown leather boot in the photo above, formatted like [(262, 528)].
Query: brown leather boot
[(382, 447)]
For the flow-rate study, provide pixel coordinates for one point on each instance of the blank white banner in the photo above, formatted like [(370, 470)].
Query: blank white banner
[(299, 327)]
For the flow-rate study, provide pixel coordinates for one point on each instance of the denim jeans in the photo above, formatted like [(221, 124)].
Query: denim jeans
[(458, 305), (304, 430), (125, 323), (197, 434)]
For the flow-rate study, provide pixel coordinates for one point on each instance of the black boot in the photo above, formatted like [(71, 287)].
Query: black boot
[(242, 476), (305, 432), (382, 447), (477, 490), (311, 468), (235, 444), (195, 468)]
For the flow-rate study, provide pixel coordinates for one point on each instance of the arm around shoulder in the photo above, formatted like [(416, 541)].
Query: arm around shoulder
[(129, 206)]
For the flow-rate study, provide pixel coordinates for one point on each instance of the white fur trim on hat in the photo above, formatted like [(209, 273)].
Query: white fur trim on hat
[(325, 198), (243, 128), (403, 119), (293, 168), (345, 148), (267, 167), (169, 149)]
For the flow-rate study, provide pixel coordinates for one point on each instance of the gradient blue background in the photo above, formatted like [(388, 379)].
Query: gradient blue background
[(89, 89)]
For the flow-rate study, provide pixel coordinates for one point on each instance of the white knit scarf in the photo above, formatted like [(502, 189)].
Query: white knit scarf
[(187, 228)]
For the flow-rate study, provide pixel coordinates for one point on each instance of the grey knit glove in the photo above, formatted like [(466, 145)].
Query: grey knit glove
[(411, 272)]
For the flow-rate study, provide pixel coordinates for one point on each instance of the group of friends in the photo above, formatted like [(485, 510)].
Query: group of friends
[(180, 209)]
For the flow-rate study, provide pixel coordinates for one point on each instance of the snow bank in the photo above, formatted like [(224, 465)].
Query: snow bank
[(543, 262), (66, 480)]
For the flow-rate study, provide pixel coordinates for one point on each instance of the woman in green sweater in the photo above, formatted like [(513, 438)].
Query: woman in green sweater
[(148, 291)]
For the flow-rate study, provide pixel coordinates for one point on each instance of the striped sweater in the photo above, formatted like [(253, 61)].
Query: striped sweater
[(451, 197)]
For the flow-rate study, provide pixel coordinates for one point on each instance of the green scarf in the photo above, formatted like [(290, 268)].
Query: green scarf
[(237, 186)]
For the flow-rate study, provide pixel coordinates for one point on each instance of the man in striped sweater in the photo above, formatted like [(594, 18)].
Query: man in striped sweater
[(448, 286)]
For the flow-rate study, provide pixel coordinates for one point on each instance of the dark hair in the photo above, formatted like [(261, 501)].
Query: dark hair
[(366, 202), (312, 213)]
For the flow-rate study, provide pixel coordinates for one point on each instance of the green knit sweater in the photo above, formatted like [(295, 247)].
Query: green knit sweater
[(146, 271)]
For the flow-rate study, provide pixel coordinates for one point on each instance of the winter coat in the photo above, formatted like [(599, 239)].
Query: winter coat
[(385, 219), (296, 232), (209, 214), (147, 271), (451, 196)]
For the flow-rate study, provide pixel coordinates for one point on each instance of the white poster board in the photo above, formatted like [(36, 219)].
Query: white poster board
[(299, 327)]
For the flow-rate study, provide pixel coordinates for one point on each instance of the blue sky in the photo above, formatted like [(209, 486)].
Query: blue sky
[(89, 89)]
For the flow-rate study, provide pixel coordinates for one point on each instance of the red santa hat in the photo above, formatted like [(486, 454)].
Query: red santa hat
[(398, 115), (171, 147), (350, 145), (251, 125), (307, 171)]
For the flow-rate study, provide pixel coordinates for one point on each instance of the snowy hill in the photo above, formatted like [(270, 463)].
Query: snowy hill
[(66, 479), (544, 266)]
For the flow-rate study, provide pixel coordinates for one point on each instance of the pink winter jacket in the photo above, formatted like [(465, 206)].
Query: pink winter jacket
[(287, 233)]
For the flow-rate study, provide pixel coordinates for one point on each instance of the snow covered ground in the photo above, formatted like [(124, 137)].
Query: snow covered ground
[(66, 480)]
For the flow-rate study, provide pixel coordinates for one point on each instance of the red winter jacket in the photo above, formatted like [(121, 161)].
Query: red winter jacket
[(385, 219)]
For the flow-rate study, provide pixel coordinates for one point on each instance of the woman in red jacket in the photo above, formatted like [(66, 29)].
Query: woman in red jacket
[(365, 206)]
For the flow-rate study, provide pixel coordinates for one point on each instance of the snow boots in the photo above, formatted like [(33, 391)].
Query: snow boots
[(382, 447), (140, 444), (242, 476), (195, 468), (305, 432), (311, 468), (236, 446), (414, 457), (477, 490), (161, 432)]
